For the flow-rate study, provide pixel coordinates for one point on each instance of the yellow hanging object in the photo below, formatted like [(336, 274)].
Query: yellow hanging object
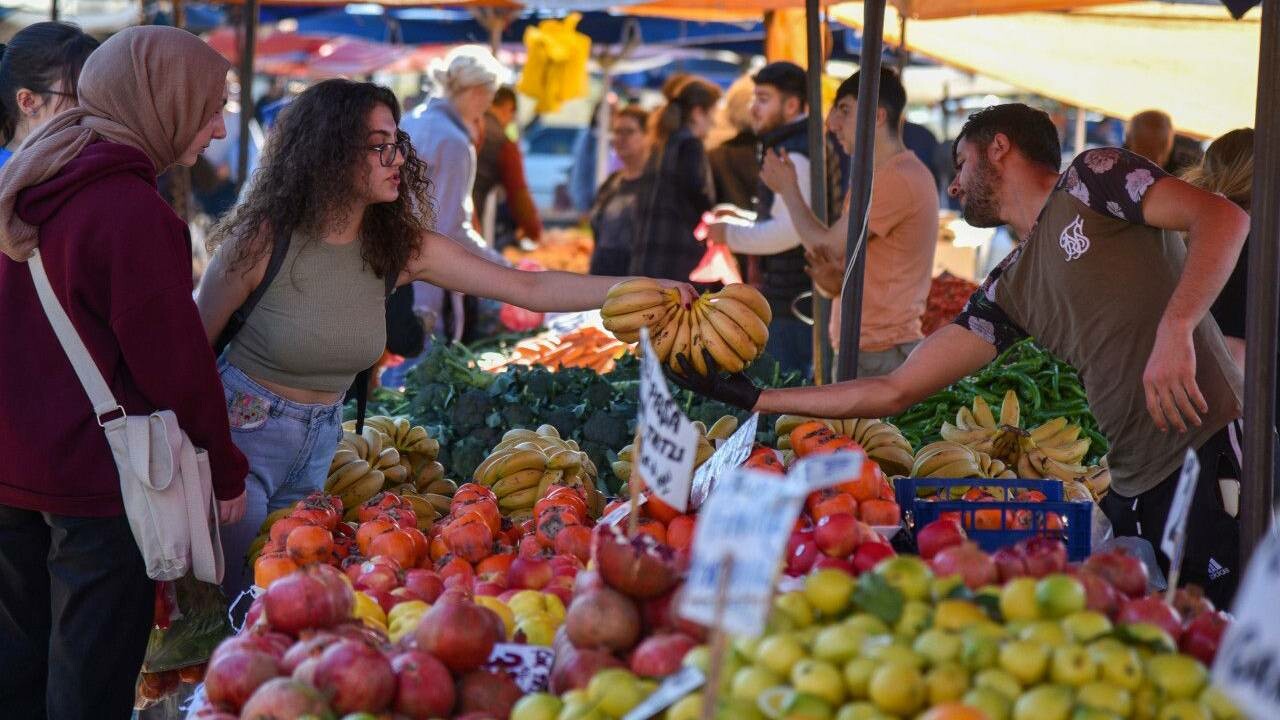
[(555, 69)]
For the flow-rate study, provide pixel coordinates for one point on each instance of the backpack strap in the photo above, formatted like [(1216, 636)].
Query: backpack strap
[(365, 377), (279, 248)]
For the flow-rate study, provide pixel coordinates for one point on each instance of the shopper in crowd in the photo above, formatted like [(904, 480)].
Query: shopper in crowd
[(1098, 283), (343, 189), (902, 229), (615, 217), (76, 605), (779, 119), (681, 190), (499, 163), (735, 166), (1151, 135), (39, 68)]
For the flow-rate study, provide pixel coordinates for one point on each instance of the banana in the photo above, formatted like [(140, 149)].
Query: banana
[(731, 333), (513, 463), (356, 443), (627, 453), (696, 345), (519, 435), (342, 457), (1067, 454), (273, 517), (545, 430), (396, 474), (723, 427), (1010, 410), (633, 285), (386, 458), (522, 480), (703, 452), (632, 322), (965, 420), (422, 508), (964, 437), (926, 463), (365, 488), (1066, 436), (750, 297), (1037, 460), (893, 460), (680, 346), (621, 469), (959, 469), (982, 413), (1024, 468), (627, 303), (664, 338), (443, 486), (742, 316), (1064, 471), (429, 475), (549, 478), (339, 481), (727, 357), (1048, 429), (440, 502), (516, 501)]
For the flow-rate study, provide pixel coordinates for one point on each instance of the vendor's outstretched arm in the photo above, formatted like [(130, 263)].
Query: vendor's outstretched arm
[(944, 357)]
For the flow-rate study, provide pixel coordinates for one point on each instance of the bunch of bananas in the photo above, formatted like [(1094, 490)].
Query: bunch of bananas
[(527, 462), (979, 429), (948, 459), (361, 467), (882, 441), (417, 449), (719, 431), (1052, 450), (732, 324)]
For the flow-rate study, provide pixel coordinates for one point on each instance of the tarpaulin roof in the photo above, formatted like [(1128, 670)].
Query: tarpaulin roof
[(1192, 61)]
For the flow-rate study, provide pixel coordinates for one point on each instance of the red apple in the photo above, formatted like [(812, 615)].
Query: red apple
[(939, 535), (967, 560), (565, 565), (869, 554), (1043, 555), (1123, 571), (489, 587), (377, 577), (839, 563), (1009, 564), (802, 552), (1153, 610), (404, 594), (1100, 596), (530, 573), (425, 583), (385, 599), (1203, 634), (837, 535)]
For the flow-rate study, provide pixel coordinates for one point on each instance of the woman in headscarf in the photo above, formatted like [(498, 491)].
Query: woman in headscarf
[(76, 604)]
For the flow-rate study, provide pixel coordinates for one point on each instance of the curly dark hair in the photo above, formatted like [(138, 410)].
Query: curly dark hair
[(314, 157)]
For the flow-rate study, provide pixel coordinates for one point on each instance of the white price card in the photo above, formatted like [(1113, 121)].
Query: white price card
[(528, 665), (748, 518), (824, 471), (729, 455), (1175, 525), (668, 440), (620, 513), (1246, 667), (673, 687)]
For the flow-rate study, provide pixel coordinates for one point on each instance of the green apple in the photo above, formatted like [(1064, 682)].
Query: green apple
[(737, 709), (688, 707), (867, 624), (807, 635), (916, 616), (699, 657), (745, 646), (795, 606), (538, 706), (576, 697), (828, 590), (979, 650), (946, 683), (1150, 636), (956, 614), (1026, 660), (992, 703), (942, 587), (1000, 681), (578, 711), (1222, 707), (908, 573), (857, 676), (1118, 664), (802, 706), (837, 643), (1071, 665), (1104, 696), (1044, 702), (897, 688), (1045, 631), (1058, 595), (1179, 677), (779, 653), (861, 711), (1146, 701), (1018, 600), (1086, 626), (1084, 713), (750, 681), (896, 652), (1184, 709), (615, 691), (937, 646), (820, 679)]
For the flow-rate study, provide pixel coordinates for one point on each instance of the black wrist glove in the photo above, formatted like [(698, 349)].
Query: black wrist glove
[(734, 389)]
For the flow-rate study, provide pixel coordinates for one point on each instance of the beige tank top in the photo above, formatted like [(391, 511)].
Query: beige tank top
[(322, 320)]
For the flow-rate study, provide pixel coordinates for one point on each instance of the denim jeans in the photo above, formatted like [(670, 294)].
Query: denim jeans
[(791, 344), (289, 446)]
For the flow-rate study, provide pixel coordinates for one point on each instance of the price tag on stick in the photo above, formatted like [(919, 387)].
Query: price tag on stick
[(1174, 540), (1245, 667), (824, 471), (668, 440), (675, 686), (729, 455)]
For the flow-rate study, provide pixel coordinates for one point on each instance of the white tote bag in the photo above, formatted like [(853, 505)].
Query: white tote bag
[(164, 479)]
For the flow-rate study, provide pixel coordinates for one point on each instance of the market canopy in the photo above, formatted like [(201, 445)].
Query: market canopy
[(1192, 61)]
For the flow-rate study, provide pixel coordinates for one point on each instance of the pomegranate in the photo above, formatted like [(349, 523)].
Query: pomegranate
[(587, 580), (381, 578), (424, 687), (315, 596), (458, 632), (869, 554), (1153, 610), (1100, 596), (660, 655), (424, 583), (530, 573), (306, 671), (489, 693), (574, 668), (837, 535), (1203, 635), (233, 676), (603, 619), (284, 699), (271, 643), (939, 535), (641, 567), (1043, 555), (967, 560), (356, 677), (307, 648), (1190, 602), (1123, 571), (1009, 564)]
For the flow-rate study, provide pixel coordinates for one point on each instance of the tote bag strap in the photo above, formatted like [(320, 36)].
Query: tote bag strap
[(104, 403)]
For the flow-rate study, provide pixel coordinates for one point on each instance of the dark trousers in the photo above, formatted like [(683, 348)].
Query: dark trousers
[(76, 609), (1211, 558), (791, 344)]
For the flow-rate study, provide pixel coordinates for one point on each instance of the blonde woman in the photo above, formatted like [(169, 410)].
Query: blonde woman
[(734, 166)]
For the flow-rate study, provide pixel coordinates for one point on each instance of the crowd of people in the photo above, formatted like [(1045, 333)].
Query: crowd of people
[(352, 203)]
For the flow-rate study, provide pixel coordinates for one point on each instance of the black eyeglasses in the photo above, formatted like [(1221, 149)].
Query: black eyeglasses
[(387, 151)]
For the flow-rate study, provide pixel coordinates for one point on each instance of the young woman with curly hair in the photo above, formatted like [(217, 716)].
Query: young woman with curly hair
[(342, 184)]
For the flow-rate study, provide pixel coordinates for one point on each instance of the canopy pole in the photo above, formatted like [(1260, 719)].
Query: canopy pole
[(863, 167), (53, 10), (822, 351), (248, 44), (904, 55), (1257, 485), (1081, 133)]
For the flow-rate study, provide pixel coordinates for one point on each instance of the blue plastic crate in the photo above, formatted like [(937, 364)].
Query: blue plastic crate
[(1077, 516)]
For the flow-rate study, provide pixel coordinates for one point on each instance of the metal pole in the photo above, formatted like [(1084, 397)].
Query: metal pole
[(1257, 485), (904, 55), (53, 10), (1081, 132), (863, 167), (248, 44), (818, 200)]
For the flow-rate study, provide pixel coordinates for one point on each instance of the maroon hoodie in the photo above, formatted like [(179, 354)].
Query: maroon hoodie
[(119, 261)]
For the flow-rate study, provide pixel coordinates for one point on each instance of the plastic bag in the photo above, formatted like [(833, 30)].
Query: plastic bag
[(196, 626), (518, 319), (718, 265)]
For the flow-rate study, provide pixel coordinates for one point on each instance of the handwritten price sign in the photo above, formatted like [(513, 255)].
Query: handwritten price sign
[(668, 440), (528, 665), (731, 454)]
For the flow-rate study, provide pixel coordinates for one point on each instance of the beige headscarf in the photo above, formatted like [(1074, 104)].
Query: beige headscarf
[(150, 87)]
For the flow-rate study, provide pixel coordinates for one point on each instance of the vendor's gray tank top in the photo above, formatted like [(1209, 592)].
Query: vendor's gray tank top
[(321, 321)]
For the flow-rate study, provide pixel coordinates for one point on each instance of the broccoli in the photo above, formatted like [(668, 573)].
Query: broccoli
[(537, 382), (517, 416), (470, 411), (608, 428), (563, 419)]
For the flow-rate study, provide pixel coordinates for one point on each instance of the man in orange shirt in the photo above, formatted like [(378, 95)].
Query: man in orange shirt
[(902, 229)]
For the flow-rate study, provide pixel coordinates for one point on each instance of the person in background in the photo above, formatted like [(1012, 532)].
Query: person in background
[(499, 162), (902, 230), (921, 141), (1151, 135), (735, 168), (615, 217), (682, 189), (76, 605), (39, 69), (582, 176)]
